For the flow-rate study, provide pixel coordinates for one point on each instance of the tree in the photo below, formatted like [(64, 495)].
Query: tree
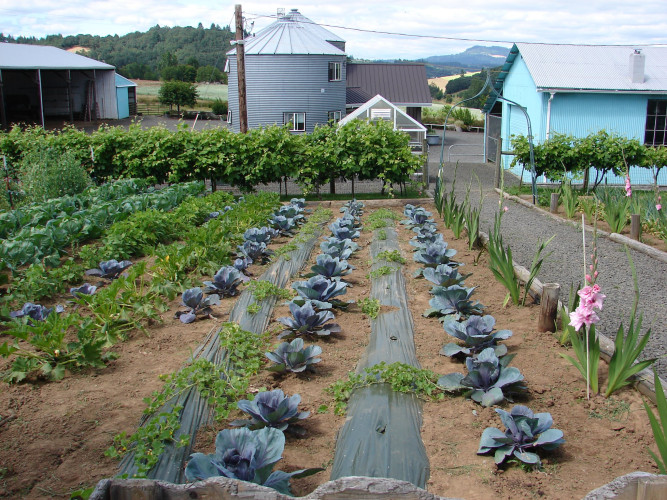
[(167, 59), (210, 74), (178, 93), (436, 92)]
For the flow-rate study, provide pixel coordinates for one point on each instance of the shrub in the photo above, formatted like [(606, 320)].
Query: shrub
[(46, 173), (219, 107)]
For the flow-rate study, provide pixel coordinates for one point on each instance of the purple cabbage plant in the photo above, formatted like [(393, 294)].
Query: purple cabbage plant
[(477, 334), (260, 235), (109, 269), (85, 289), (444, 276), (489, 380), (435, 254), (343, 249), (225, 282), (524, 431), (298, 202), (306, 320), (35, 312), (242, 263), (255, 251), (343, 231), (194, 300), (416, 216), (321, 292), (453, 303), (248, 456), (293, 357), (272, 409), (330, 267), (284, 225)]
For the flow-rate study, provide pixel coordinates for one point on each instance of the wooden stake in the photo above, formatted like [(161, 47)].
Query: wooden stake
[(553, 208), (635, 226), (548, 307)]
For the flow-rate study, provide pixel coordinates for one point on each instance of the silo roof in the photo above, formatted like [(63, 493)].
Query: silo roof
[(25, 56), (292, 33)]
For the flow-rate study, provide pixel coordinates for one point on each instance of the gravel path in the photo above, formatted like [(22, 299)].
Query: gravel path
[(523, 228)]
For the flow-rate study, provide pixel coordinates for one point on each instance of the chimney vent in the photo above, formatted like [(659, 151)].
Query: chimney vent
[(637, 66), (280, 12)]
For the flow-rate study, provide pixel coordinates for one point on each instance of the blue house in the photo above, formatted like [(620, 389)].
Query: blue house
[(582, 89)]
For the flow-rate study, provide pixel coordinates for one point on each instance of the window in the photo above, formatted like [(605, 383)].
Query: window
[(297, 121), (656, 123), (334, 116), (381, 114), (229, 116), (335, 72)]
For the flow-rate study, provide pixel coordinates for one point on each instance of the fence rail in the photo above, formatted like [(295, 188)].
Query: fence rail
[(151, 109)]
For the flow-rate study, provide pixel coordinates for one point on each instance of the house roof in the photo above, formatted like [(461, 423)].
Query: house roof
[(24, 56), (292, 33), (364, 112), (586, 68), (121, 81), (401, 84)]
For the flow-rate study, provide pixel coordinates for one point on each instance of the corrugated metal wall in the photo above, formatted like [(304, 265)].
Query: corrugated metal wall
[(277, 84), (105, 88)]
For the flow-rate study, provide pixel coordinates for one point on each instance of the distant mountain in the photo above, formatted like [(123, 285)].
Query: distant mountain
[(476, 57)]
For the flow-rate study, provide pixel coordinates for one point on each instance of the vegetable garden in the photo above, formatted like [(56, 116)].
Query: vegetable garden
[(218, 303)]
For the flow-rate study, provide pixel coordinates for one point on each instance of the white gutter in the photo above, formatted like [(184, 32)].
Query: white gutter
[(601, 91), (551, 98)]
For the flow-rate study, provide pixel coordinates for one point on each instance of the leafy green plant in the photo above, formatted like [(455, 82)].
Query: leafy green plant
[(582, 361), (391, 256), (628, 347), (254, 308), (263, 289), (379, 219), (616, 208), (402, 378), (501, 262), (659, 425), (567, 330), (569, 197), (458, 219), (535, 266), (381, 271), (370, 307), (590, 207)]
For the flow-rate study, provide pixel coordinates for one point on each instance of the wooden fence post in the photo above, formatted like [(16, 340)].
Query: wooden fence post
[(635, 226), (548, 307), (553, 208)]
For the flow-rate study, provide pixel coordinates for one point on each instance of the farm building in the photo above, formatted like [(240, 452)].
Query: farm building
[(41, 83), (379, 108), (579, 90), (126, 97), (403, 85), (295, 73)]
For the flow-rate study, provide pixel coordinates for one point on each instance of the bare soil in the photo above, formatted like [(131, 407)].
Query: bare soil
[(54, 434)]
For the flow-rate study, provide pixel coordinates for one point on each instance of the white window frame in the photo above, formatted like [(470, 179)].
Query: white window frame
[(334, 116), (335, 71), (655, 131), (229, 116), (290, 118)]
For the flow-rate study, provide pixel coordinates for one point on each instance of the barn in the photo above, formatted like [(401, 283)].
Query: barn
[(295, 74), (579, 90), (40, 83)]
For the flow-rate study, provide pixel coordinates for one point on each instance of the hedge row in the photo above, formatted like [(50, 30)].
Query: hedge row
[(362, 149)]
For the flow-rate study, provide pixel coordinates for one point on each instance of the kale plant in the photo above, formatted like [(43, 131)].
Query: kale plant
[(248, 456), (489, 380), (110, 269), (477, 334), (330, 267), (321, 292), (272, 409), (225, 282), (193, 298), (524, 431), (343, 249), (293, 357), (453, 303), (444, 275), (306, 321)]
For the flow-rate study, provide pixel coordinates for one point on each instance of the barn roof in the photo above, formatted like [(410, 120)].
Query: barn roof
[(24, 56), (292, 33), (401, 84), (587, 68), (121, 81)]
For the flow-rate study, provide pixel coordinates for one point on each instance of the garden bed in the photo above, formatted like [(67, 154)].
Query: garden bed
[(55, 434)]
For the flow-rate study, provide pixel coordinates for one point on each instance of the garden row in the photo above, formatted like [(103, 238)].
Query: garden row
[(358, 149)]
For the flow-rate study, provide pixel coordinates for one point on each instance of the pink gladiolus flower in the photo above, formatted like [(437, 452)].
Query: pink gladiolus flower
[(588, 278), (628, 188), (591, 267), (591, 297), (505, 208), (658, 206), (595, 274), (583, 316)]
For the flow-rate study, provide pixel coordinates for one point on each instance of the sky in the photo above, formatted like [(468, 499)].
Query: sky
[(443, 27)]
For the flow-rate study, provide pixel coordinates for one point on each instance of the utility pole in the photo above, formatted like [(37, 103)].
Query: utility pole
[(240, 69)]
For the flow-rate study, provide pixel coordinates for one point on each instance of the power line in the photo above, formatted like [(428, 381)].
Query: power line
[(460, 39)]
